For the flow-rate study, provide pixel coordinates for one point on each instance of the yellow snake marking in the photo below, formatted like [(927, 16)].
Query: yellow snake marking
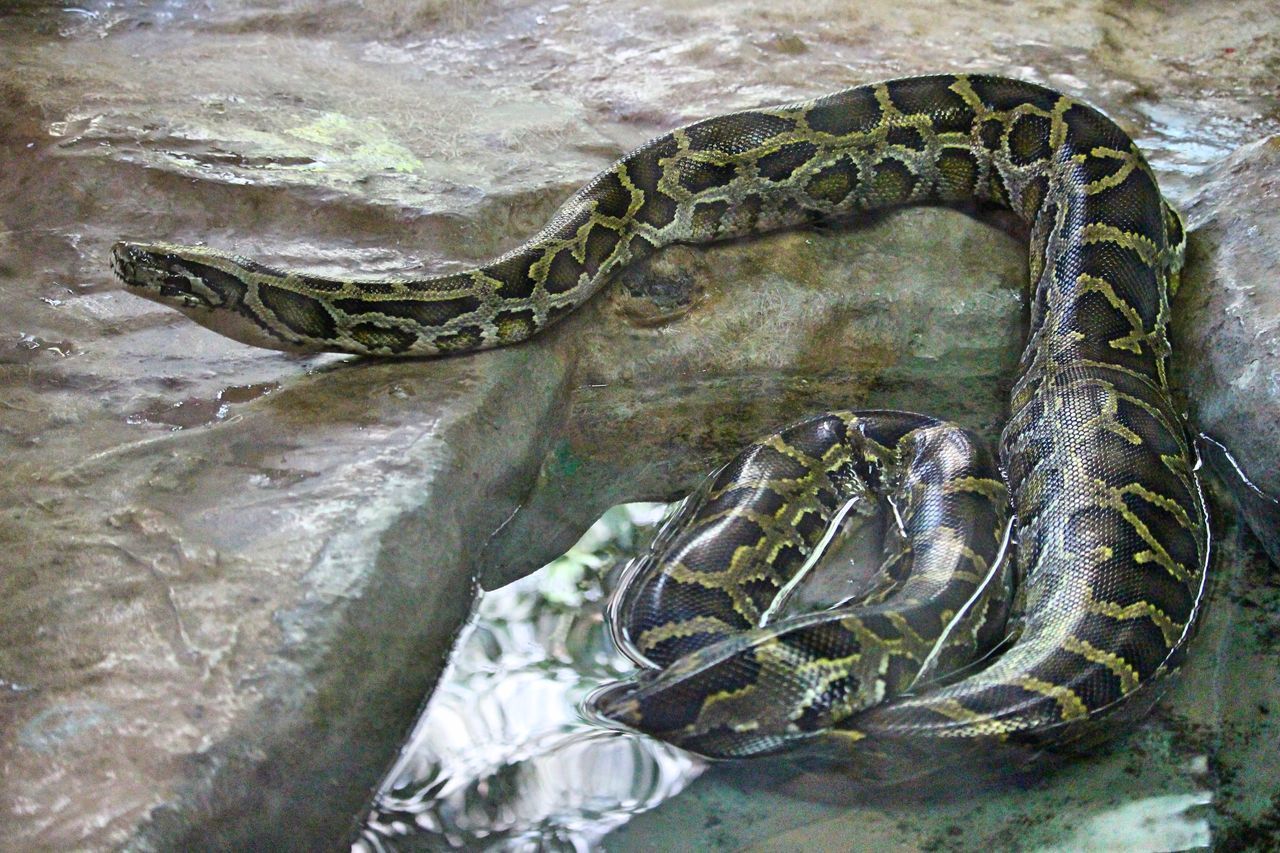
[(1156, 553), (1100, 233), (1134, 340), (954, 710), (686, 628), (1128, 162), (1117, 665), (993, 490), (1072, 706), (1138, 610)]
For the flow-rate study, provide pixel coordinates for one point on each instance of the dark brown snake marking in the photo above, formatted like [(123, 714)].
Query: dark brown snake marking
[(1110, 529)]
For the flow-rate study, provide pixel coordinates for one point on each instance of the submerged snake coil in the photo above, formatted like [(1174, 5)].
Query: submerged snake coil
[(1110, 525)]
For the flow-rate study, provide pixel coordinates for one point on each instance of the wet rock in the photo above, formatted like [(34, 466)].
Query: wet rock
[(1227, 315), (221, 632), (920, 309)]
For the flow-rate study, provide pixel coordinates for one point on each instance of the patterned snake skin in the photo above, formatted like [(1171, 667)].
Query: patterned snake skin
[(722, 686), (1110, 526)]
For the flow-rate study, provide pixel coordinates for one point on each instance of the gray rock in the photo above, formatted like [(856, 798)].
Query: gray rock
[(225, 631), (1226, 323)]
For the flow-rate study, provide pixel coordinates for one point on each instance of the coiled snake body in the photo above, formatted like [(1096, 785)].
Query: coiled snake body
[(1110, 527)]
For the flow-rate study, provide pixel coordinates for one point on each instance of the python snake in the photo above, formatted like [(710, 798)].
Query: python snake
[(1110, 527)]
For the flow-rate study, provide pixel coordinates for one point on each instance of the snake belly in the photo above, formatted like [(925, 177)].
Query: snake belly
[(1110, 526)]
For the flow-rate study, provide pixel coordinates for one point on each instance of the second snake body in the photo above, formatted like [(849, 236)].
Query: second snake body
[(1110, 527)]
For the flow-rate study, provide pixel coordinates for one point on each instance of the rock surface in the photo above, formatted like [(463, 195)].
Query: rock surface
[(920, 310), (228, 577), (1227, 328)]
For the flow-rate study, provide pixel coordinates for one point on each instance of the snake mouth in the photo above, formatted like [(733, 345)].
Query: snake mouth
[(131, 261)]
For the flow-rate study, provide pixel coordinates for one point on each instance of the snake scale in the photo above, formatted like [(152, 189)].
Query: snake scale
[(1110, 527)]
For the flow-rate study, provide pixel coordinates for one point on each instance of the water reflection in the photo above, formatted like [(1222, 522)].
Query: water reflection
[(502, 758)]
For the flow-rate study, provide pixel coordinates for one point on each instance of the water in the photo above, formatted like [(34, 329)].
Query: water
[(503, 759)]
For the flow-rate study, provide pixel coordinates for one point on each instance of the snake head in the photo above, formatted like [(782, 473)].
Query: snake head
[(162, 273), (208, 286), (733, 699)]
